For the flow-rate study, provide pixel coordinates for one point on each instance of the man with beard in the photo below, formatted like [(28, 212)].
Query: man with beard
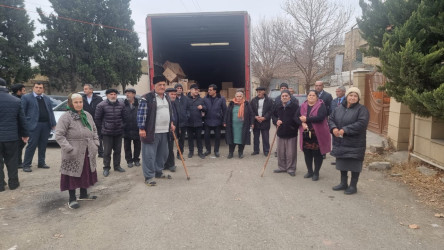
[(110, 115)]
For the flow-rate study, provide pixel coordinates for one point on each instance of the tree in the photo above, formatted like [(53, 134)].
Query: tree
[(89, 41), (412, 58), (267, 54), (315, 25), (16, 34)]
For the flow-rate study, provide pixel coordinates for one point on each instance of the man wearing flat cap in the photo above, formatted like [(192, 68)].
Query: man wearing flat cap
[(155, 120), (170, 162), (182, 103), (195, 112), (110, 116), (262, 107), (131, 132)]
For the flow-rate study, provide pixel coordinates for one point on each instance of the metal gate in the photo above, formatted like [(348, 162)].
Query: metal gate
[(377, 103)]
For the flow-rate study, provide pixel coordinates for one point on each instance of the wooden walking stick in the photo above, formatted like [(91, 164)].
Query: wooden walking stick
[(181, 156), (269, 152)]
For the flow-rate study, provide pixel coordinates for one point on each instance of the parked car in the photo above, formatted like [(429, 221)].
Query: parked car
[(274, 93), (60, 109), (301, 98), (56, 99)]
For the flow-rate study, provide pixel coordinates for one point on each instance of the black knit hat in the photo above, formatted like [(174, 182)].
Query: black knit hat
[(159, 78), (283, 85), (109, 91), (178, 85)]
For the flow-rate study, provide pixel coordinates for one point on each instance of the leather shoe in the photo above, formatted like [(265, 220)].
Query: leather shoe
[(315, 177), (207, 153), (255, 153), (241, 155), (308, 175), (106, 172), (27, 169), (351, 190), (119, 169), (292, 174), (216, 154), (178, 156), (230, 155), (130, 164), (137, 164), (43, 166), (279, 171), (266, 153), (190, 155), (202, 156)]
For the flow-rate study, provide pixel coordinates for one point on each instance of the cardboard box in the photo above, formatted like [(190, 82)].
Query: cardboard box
[(232, 92), (202, 94), (227, 85), (173, 71), (224, 93)]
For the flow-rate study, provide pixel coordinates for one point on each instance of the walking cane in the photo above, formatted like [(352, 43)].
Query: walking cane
[(181, 156), (269, 152)]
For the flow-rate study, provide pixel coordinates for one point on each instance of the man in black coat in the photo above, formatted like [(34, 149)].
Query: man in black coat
[(323, 95), (262, 107), (182, 104), (18, 90), (110, 115), (90, 102), (131, 131), (195, 113), (12, 127), (170, 163), (214, 117)]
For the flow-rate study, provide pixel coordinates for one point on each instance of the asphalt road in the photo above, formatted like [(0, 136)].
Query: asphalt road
[(225, 205)]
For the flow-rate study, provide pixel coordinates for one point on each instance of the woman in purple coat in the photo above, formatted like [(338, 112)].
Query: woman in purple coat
[(315, 139)]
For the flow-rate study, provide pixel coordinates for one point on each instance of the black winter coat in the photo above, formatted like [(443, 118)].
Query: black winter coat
[(327, 99), (216, 108), (194, 115), (131, 130), (91, 107), (290, 120), (13, 122), (353, 121), (267, 112), (248, 122), (182, 104), (110, 117)]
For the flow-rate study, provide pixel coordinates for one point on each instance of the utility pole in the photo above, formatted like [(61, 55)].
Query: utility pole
[(351, 53)]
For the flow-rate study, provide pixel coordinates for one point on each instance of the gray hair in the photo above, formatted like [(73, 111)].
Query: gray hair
[(88, 85), (342, 88), (75, 96)]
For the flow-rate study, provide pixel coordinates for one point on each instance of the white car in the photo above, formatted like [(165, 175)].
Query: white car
[(60, 109)]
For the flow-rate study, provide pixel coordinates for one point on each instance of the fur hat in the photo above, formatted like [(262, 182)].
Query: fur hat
[(354, 90), (159, 78)]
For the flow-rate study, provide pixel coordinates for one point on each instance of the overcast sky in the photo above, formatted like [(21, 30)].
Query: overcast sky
[(257, 9)]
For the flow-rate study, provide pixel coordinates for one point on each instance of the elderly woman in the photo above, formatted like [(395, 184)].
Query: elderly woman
[(238, 121), (315, 136), (348, 124), (76, 134), (288, 124)]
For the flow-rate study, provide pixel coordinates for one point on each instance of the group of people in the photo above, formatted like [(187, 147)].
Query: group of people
[(150, 126)]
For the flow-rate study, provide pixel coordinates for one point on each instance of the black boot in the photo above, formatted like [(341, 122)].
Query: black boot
[(317, 157), (343, 185), (230, 151), (352, 189), (240, 149), (316, 173)]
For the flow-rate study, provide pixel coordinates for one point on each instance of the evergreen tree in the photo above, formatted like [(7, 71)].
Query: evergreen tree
[(412, 58), (74, 53), (16, 34)]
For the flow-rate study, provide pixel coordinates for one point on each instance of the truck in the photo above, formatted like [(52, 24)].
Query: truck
[(210, 47)]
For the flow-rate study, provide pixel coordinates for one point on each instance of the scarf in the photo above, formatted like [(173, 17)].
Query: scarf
[(240, 113), (83, 117)]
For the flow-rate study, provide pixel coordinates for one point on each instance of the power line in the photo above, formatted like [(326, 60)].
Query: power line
[(186, 9), (196, 2), (71, 19)]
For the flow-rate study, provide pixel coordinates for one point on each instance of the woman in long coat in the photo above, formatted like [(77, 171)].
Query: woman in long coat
[(76, 134), (238, 122), (314, 133), (348, 124)]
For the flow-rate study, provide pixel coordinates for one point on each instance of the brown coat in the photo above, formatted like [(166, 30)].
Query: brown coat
[(74, 138)]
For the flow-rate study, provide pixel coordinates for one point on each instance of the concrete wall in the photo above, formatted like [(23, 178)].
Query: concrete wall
[(429, 139), (399, 125)]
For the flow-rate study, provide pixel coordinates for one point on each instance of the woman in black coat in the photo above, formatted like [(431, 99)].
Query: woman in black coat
[(348, 123), (238, 122)]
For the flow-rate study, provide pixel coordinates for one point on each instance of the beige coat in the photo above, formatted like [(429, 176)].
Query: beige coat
[(74, 138)]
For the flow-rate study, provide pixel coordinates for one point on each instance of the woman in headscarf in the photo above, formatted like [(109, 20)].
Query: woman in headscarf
[(315, 137), (238, 121), (348, 124), (77, 136)]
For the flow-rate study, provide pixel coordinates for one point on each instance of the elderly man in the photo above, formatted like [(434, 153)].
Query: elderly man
[(214, 116), (90, 102), (195, 112), (40, 119), (18, 90), (12, 127), (262, 107), (182, 103), (131, 132), (170, 163), (155, 120), (110, 115), (323, 95), (340, 97)]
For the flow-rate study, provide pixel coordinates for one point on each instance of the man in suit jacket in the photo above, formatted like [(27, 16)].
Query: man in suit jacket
[(323, 95), (262, 107), (340, 97), (90, 102), (40, 119)]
